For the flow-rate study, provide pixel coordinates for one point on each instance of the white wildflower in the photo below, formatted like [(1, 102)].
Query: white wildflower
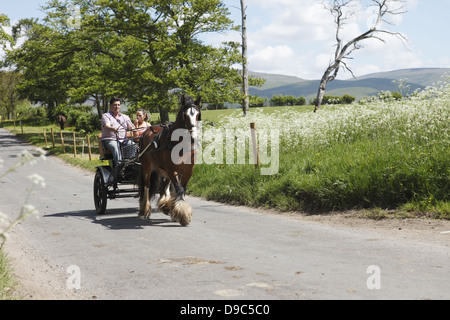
[(27, 157), (37, 180), (41, 153), (423, 111), (3, 218), (27, 210)]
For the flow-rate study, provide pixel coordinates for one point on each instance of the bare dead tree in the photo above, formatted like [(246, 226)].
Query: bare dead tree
[(341, 11), (245, 88)]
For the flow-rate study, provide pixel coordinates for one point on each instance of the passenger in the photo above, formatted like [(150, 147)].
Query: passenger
[(141, 123), (114, 129)]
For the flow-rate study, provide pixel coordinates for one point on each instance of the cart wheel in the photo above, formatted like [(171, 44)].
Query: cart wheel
[(100, 193)]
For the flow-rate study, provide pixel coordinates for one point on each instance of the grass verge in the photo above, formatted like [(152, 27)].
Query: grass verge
[(7, 282)]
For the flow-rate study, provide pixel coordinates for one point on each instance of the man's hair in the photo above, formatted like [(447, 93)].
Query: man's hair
[(114, 100)]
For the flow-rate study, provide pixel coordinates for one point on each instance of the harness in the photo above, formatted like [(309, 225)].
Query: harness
[(168, 129)]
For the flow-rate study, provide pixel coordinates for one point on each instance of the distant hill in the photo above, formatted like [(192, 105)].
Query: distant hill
[(364, 86)]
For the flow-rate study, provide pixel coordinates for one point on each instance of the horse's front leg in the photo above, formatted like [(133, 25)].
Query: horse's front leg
[(181, 210)]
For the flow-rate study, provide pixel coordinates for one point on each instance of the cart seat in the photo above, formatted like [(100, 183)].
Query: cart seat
[(105, 154)]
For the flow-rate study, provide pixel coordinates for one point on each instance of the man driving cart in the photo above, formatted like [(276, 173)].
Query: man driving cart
[(114, 130)]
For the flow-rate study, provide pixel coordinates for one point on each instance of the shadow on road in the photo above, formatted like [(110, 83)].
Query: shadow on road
[(119, 219)]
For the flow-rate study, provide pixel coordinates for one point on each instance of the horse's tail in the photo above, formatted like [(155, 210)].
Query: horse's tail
[(154, 184)]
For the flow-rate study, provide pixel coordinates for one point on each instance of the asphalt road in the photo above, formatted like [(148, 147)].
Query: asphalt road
[(225, 253)]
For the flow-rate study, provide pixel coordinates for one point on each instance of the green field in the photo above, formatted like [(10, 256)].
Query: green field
[(215, 116), (378, 155)]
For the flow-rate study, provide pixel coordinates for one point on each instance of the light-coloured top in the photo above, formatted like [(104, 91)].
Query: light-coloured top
[(122, 122)]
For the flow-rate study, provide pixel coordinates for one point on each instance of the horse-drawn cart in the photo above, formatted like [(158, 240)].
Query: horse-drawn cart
[(121, 181), (147, 167)]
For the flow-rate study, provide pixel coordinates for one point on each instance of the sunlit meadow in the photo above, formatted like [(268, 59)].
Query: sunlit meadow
[(377, 153)]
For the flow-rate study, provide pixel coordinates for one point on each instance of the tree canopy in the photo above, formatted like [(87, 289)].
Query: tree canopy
[(143, 51)]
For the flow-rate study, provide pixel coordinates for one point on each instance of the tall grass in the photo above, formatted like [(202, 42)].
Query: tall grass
[(7, 282), (380, 153)]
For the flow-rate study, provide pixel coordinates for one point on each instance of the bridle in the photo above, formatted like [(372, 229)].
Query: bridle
[(169, 129), (191, 112)]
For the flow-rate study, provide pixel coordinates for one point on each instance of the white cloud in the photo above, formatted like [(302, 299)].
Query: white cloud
[(273, 59), (298, 37), (291, 21)]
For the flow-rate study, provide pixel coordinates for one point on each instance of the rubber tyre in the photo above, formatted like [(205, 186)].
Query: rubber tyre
[(100, 193)]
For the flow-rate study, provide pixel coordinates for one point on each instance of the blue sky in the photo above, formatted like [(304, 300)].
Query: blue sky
[(296, 37)]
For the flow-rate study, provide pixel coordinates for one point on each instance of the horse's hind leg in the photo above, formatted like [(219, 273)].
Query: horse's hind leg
[(164, 202), (145, 208)]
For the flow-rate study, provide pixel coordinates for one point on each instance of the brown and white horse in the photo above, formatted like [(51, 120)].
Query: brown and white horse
[(161, 157)]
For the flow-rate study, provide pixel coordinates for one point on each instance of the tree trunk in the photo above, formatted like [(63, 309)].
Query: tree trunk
[(105, 105), (322, 87), (320, 94), (163, 114), (246, 101), (13, 105), (98, 106)]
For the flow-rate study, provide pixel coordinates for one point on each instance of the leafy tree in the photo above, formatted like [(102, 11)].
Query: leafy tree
[(289, 100), (9, 96), (257, 102), (47, 69), (144, 51), (5, 38)]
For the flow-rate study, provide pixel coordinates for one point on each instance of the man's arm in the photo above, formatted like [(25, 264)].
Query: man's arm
[(107, 125)]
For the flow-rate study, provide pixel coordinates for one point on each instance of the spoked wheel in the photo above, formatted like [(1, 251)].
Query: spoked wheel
[(100, 193)]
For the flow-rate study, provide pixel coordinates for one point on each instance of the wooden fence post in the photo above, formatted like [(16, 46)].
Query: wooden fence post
[(89, 147), (45, 138), (74, 145), (53, 139), (62, 141), (255, 144)]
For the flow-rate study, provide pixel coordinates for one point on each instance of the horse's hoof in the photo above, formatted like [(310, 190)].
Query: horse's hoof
[(164, 205), (144, 216), (181, 213)]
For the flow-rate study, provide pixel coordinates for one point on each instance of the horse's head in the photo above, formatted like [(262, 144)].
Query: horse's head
[(190, 113)]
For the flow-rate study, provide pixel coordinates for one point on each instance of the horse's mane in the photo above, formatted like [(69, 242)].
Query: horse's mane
[(187, 101)]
